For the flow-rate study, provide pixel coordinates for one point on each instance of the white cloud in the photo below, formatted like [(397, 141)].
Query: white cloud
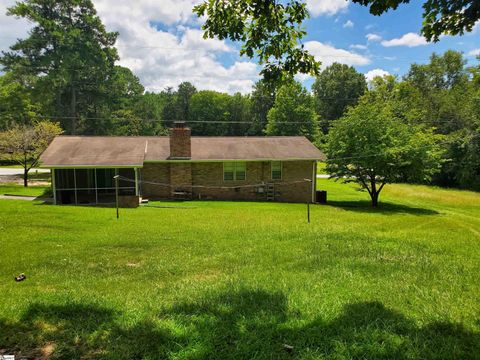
[(410, 39), (162, 58), (326, 7), (12, 28), (375, 73), (328, 54), (348, 24), (476, 27), (475, 52), (359, 46), (373, 37)]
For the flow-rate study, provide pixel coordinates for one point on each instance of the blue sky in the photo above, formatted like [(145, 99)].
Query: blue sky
[(161, 42), (392, 25)]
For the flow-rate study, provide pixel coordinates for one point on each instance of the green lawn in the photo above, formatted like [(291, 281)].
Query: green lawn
[(224, 280), (15, 189)]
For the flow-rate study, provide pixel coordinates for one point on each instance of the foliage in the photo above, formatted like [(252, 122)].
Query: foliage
[(262, 100), (16, 104), (169, 283), (269, 31), (209, 113), (293, 113), (71, 52), (25, 143), (184, 93), (440, 17), (336, 88), (372, 147)]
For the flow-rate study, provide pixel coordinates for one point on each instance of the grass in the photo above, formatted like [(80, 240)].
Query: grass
[(11, 166), (321, 168), (20, 190), (224, 280)]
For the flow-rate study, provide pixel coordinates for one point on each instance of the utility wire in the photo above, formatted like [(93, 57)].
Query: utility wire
[(321, 121)]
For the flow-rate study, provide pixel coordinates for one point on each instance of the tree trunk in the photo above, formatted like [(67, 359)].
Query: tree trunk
[(25, 177), (374, 197)]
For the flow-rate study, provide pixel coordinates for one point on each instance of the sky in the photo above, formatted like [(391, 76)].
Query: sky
[(161, 42)]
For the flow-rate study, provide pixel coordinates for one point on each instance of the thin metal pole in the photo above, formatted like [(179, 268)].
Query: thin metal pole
[(75, 185), (308, 211), (116, 192), (54, 187)]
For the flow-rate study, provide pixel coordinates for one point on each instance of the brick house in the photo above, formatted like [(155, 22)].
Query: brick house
[(277, 168)]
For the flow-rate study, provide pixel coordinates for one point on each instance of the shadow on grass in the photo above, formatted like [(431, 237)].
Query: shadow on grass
[(383, 208), (233, 325)]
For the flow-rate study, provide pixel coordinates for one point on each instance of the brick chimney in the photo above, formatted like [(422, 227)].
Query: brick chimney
[(180, 142)]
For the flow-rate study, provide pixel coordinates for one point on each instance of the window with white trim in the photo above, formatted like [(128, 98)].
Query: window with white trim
[(276, 170), (234, 171)]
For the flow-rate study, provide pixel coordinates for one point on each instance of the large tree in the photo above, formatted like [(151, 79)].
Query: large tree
[(24, 144), (16, 103), (262, 100), (370, 145), (210, 113), (336, 88), (184, 93), (440, 17), (71, 52), (293, 112)]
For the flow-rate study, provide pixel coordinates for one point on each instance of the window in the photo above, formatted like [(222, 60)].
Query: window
[(276, 170), (234, 171)]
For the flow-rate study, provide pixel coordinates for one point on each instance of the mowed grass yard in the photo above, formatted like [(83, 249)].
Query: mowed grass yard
[(226, 280)]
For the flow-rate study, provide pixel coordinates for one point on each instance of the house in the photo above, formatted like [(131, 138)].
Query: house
[(272, 168)]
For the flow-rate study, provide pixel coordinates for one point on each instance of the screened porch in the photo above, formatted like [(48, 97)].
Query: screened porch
[(93, 185)]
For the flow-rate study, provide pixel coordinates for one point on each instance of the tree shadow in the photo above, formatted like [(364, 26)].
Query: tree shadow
[(241, 324), (383, 208)]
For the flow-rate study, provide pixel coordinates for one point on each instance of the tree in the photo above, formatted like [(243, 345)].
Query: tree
[(70, 50), (184, 93), (443, 72), (210, 113), (269, 30), (262, 100), (452, 17), (25, 143), (149, 107), (293, 113), (239, 108), (372, 147), (16, 104), (336, 88)]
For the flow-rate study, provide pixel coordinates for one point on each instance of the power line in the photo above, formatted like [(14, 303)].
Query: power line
[(188, 121)]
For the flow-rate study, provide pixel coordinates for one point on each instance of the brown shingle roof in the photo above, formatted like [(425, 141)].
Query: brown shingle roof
[(133, 151)]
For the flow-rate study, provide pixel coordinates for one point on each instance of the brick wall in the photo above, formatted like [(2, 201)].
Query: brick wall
[(158, 173), (184, 174), (180, 143), (181, 178)]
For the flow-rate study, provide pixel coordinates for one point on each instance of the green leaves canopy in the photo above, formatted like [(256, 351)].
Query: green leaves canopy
[(293, 113), (24, 144), (336, 88), (373, 147), (269, 30)]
